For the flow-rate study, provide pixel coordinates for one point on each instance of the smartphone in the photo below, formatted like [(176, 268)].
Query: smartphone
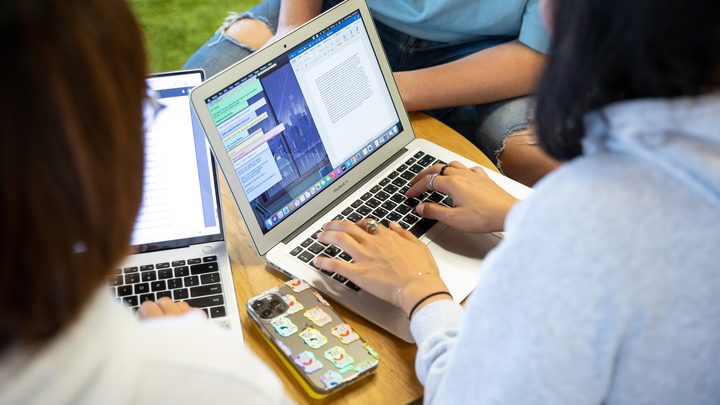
[(322, 351)]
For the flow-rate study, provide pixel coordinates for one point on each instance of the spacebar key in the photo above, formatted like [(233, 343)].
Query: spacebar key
[(422, 226), (204, 302)]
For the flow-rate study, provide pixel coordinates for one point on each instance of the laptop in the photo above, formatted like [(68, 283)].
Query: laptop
[(312, 128), (178, 242)]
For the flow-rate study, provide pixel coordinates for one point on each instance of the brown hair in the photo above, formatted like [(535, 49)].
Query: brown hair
[(71, 157)]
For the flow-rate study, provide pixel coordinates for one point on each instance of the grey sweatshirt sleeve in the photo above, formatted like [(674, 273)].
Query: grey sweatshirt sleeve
[(542, 326)]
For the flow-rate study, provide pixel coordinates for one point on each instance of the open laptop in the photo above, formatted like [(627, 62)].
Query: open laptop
[(312, 128), (178, 235)]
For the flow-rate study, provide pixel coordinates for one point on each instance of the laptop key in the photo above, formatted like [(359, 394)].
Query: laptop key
[(416, 169), (375, 189), (327, 273), (401, 168), (365, 196), (382, 196), (356, 204), (403, 209), (436, 197), (178, 263), (372, 203), (399, 182), (345, 256), (340, 278), (332, 251), (212, 258), (174, 283), (393, 175), (316, 248), (131, 300), (295, 251), (161, 294), (307, 242), (448, 201), (305, 257), (393, 216), (390, 189), (191, 281), (352, 286), (148, 276), (379, 213), (410, 161), (418, 155), (421, 227), (180, 294), (389, 205), (204, 268), (412, 202), (182, 271), (165, 273), (158, 285), (163, 265), (410, 219), (203, 302), (147, 297), (210, 278), (397, 198), (194, 261), (130, 270), (203, 290), (142, 288), (385, 222), (132, 278), (364, 210), (217, 312), (338, 217), (315, 235), (384, 182), (354, 217), (124, 290), (347, 211), (147, 267), (405, 225), (407, 175)]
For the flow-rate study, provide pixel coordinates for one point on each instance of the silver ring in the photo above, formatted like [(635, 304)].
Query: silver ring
[(430, 182), (371, 226)]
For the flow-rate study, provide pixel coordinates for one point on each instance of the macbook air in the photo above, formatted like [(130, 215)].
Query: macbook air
[(312, 128)]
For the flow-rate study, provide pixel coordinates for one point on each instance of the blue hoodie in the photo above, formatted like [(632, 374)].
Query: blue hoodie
[(606, 289)]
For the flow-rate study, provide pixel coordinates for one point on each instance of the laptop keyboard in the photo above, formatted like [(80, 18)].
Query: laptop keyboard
[(385, 202), (195, 281)]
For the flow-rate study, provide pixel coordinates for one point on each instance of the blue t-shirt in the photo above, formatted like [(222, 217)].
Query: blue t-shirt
[(465, 20)]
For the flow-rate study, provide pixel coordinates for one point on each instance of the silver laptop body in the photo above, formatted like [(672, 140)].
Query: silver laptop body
[(178, 239), (307, 130)]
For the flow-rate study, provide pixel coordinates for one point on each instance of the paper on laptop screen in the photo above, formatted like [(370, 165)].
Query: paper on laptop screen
[(297, 124), (179, 200)]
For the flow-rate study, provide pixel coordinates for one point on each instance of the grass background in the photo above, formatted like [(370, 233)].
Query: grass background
[(175, 29)]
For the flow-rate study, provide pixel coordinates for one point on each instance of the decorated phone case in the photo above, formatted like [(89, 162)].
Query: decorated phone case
[(322, 351)]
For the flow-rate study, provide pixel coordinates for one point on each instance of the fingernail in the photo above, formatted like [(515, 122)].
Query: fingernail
[(419, 209), (394, 224)]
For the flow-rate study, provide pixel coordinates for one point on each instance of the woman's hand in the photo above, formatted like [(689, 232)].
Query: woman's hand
[(390, 263), (479, 204), (165, 307)]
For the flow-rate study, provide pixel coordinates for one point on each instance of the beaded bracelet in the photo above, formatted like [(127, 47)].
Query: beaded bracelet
[(427, 297)]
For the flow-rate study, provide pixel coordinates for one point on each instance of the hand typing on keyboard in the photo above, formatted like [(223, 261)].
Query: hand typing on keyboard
[(478, 203), (390, 263), (165, 307)]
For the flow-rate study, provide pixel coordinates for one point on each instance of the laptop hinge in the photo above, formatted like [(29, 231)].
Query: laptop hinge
[(344, 195)]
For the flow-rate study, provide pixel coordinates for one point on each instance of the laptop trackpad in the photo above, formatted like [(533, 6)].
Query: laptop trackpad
[(459, 257)]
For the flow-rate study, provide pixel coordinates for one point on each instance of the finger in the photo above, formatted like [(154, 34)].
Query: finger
[(363, 224), (347, 227), (440, 183), (183, 306), (334, 265), (395, 227), (457, 165), (168, 306), (344, 241), (435, 211), (430, 170), (149, 309)]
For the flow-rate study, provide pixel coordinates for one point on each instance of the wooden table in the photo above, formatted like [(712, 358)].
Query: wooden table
[(395, 381)]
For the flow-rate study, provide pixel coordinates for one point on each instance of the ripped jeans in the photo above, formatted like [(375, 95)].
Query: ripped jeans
[(485, 125)]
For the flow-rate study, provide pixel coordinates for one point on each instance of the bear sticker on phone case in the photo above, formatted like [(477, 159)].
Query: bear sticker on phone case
[(313, 338), (345, 333), (297, 285), (284, 326), (308, 362), (318, 316)]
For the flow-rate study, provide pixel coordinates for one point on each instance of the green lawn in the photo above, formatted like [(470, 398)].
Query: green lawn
[(174, 29)]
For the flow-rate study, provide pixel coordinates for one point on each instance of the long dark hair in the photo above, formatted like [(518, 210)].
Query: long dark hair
[(605, 51), (71, 157)]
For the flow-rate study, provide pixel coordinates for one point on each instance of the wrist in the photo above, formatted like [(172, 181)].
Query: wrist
[(418, 289)]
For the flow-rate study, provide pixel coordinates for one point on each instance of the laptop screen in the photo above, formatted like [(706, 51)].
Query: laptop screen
[(300, 122), (179, 204)]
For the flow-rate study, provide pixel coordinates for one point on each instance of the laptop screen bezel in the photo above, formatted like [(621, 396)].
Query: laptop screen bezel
[(177, 243), (266, 241)]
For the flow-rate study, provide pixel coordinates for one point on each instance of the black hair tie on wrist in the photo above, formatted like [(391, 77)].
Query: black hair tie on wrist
[(427, 297)]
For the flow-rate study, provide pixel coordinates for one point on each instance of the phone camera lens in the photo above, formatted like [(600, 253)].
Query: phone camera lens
[(266, 314), (274, 304)]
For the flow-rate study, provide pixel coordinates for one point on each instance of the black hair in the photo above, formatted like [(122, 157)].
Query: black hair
[(606, 51)]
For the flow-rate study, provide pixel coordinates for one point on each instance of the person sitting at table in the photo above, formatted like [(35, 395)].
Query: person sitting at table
[(71, 158), (605, 288), (469, 63)]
